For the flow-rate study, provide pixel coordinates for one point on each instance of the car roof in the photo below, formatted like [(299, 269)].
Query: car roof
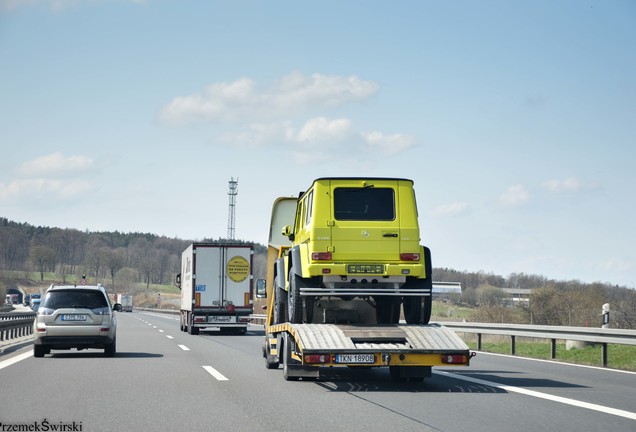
[(54, 287)]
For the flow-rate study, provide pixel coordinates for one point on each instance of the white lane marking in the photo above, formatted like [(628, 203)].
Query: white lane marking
[(154, 326), (558, 363), (160, 331), (169, 337), (183, 347), (546, 396), (13, 360), (216, 374)]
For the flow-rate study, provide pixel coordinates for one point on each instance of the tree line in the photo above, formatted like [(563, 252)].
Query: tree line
[(121, 260)]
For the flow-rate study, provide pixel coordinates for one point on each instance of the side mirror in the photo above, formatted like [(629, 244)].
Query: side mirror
[(261, 288), (177, 280), (117, 307), (287, 232)]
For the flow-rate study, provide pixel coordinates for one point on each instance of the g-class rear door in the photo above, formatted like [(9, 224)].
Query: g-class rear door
[(366, 220)]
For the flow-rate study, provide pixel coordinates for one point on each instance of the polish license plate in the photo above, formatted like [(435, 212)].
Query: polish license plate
[(73, 317), (220, 319), (355, 358), (365, 268)]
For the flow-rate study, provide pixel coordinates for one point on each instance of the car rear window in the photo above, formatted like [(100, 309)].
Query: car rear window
[(74, 299), (368, 204)]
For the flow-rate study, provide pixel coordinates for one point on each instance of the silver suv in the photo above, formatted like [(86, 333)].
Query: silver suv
[(75, 317)]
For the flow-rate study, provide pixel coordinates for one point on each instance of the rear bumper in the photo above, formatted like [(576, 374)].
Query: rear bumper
[(68, 342)]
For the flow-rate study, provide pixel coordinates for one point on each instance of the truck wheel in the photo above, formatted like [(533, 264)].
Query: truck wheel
[(191, 328), (181, 324), (280, 305), (427, 308), (387, 310), (294, 302), (271, 361)]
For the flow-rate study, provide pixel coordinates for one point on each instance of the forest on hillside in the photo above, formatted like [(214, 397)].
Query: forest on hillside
[(121, 260)]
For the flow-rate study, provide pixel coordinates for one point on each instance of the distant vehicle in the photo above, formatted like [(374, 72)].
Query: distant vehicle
[(35, 304), (75, 317), (15, 299), (126, 301), (216, 287)]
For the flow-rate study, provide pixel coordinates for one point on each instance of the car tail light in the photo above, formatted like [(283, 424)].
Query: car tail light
[(454, 359), (104, 329), (409, 256), (317, 358), (321, 256)]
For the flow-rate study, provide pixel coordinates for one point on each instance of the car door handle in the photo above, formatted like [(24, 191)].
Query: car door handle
[(389, 235)]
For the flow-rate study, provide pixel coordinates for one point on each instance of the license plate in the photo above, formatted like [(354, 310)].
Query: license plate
[(220, 318), (73, 317), (355, 358), (366, 268)]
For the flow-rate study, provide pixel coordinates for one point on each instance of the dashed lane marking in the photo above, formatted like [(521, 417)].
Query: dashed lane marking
[(216, 374)]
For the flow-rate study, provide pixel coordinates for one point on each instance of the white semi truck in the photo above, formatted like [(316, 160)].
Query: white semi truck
[(216, 287)]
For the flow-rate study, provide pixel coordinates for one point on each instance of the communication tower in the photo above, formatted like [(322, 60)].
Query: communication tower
[(231, 217)]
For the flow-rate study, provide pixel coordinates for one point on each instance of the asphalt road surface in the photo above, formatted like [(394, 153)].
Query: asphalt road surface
[(165, 380)]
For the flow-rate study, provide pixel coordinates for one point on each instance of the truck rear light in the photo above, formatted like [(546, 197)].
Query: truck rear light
[(230, 308), (454, 359), (409, 256), (317, 358), (199, 319), (244, 319), (321, 256)]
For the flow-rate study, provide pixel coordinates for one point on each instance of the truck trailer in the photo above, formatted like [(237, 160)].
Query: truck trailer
[(126, 301), (216, 287), (344, 265)]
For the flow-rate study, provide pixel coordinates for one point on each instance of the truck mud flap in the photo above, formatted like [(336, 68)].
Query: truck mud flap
[(293, 370)]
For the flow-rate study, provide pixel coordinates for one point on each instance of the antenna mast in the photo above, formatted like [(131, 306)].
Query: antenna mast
[(232, 209)]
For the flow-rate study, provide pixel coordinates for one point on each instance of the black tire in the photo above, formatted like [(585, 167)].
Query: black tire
[(271, 362), (387, 310), (412, 309), (182, 326), (294, 301), (427, 308), (110, 349), (39, 350), (280, 305), (191, 328)]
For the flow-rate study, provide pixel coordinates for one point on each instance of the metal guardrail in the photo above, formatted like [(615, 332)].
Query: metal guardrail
[(15, 325), (603, 336)]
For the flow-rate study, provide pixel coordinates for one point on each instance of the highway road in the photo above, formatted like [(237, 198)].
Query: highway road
[(165, 380)]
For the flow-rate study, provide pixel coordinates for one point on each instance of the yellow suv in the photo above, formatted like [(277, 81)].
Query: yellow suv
[(356, 238), (79, 317)]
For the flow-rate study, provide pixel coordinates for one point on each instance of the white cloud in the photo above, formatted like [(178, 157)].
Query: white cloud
[(323, 130), (514, 196), (452, 209), (50, 177), (55, 164), (567, 185), (389, 145), (242, 100)]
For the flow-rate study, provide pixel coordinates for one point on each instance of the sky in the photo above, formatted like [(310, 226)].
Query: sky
[(516, 120)]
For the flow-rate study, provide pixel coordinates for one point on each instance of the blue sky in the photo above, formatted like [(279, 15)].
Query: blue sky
[(516, 120)]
